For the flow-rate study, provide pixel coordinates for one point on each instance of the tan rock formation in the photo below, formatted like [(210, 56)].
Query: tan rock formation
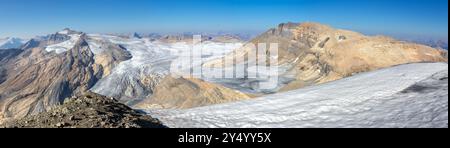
[(184, 93)]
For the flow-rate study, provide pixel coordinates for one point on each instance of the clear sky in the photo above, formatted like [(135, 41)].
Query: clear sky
[(27, 18)]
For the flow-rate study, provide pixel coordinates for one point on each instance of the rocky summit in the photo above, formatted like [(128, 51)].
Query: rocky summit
[(89, 110)]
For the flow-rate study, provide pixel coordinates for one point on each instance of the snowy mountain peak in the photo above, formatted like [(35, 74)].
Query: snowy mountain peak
[(11, 42), (68, 31)]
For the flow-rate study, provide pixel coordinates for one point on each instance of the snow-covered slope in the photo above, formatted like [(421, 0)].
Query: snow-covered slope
[(413, 95), (8, 43)]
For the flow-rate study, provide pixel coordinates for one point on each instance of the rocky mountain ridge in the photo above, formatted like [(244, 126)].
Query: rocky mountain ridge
[(88, 110)]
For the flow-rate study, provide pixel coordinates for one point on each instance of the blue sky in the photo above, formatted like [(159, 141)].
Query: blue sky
[(27, 18)]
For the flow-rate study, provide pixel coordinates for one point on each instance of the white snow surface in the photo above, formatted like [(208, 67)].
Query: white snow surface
[(374, 99)]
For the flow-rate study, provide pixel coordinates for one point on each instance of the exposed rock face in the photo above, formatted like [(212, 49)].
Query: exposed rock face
[(182, 93), (33, 43), (340, 53), (88, 111), (38, 81), (314, 53), (57, 38), (10, 43), (438, 44)]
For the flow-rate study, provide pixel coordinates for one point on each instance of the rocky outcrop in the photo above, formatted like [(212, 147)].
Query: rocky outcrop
[(88, 111), (314, 53), (34, 80), (226, 39), (182, 93)]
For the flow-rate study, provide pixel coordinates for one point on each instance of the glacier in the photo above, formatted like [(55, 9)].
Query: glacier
[(151, 60), (410, 95)]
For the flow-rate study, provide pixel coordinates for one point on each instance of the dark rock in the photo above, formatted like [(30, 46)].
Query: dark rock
[(88, 111)]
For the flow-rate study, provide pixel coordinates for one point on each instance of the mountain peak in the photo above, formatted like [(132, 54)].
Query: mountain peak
[(136, 35), (311, 25)]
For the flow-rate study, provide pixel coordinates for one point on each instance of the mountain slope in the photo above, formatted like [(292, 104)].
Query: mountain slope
[(311, 53), (6, 55), (50, 69), (412, 95), (185, 93)]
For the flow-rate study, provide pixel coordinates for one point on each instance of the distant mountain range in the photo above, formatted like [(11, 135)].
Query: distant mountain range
[(134, 68)]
